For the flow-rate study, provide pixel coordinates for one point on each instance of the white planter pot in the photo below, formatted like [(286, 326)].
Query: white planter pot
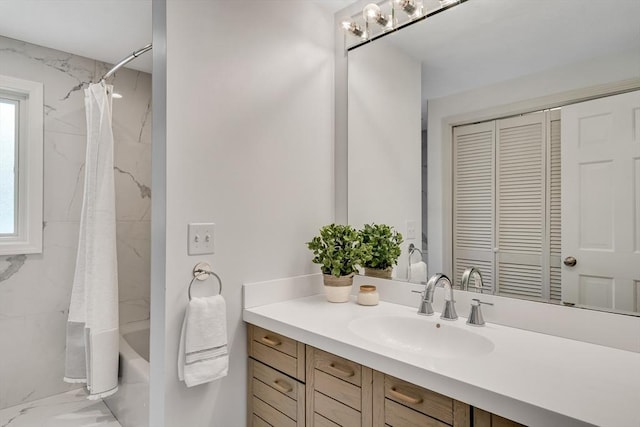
[(337, 293), (338, 289)]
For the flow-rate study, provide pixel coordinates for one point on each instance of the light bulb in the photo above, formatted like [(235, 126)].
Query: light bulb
[(353, 28), (409, 6), (372, 12)]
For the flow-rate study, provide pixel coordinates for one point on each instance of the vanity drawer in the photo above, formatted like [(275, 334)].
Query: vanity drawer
[(270, 415), (276, 380), (339, 390), (338, 367), (271, 339), (277, 391), (420, 399), (275, 399), (335, 411), (279, 352), (396, 415)]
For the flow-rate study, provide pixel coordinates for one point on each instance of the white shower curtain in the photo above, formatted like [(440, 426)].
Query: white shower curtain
[(92, 328)]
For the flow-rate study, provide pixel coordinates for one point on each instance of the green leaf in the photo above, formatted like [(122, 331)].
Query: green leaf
[(338, 249), (383, 243)]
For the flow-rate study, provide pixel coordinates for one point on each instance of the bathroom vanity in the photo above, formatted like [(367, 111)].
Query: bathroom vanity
[(316, 363), (334, 391)]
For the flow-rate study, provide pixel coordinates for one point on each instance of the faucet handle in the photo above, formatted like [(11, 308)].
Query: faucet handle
[(475, 317), (478, 302), (425, 308)]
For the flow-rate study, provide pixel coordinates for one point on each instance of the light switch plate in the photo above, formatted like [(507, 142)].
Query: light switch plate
[(201, 238), (411, 230)]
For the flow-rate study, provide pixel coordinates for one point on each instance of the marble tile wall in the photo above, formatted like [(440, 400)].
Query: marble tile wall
[(35, 289)]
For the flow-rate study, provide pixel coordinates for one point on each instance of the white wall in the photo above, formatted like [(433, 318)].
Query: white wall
[(35, 289), (249, 146), (506, 98), (384, 147)]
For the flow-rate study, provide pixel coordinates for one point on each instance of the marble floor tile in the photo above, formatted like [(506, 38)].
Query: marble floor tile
[(70, 409)]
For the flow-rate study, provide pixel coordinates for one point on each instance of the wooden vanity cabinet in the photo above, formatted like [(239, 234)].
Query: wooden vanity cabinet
[(399, 403), (276, 380), (293, 385)]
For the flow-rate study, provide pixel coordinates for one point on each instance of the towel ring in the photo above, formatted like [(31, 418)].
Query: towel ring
[(202, 271), (412, 249)]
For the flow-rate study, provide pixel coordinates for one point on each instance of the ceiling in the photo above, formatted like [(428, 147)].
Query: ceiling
[(106, 30)]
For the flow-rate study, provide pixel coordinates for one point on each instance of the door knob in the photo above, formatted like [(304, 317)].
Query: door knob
[(570, 261)]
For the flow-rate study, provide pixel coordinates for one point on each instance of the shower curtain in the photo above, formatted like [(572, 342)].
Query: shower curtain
[(92, 328)]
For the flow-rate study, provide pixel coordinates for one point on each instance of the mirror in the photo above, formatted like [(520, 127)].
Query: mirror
[(485, 61)]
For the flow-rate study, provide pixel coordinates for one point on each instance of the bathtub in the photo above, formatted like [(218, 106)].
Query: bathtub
[(130, 405)]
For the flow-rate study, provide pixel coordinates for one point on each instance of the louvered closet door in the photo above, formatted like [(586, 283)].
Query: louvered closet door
[(521, 262), (473, 228), (554, 201)]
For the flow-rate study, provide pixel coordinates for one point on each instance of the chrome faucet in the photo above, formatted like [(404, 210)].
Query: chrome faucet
[(466, 277), (426, 308)]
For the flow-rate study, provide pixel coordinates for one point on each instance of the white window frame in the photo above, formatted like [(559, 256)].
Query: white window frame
[(28, 236)]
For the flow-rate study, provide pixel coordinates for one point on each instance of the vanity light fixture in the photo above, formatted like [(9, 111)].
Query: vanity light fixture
[(116, 95), (372, 12), (353, 28), (413, 10)]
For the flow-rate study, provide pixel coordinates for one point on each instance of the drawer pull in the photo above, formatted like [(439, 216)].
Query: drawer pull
[(270, 341), (404, 397), (340, 371), (282, 386)]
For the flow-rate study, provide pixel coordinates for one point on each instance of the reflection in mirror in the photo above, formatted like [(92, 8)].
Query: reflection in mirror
[(465, 132)]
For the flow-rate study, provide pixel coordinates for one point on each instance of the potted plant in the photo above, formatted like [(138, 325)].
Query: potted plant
[(339, 250), (384, 246)]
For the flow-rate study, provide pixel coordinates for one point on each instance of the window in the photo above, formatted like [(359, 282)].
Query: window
[(21, 157), (507, 204), (9, 124)]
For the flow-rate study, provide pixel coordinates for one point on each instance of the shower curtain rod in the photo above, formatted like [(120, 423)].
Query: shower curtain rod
[(126, 60)]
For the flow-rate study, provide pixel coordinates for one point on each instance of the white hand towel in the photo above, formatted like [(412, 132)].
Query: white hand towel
[(418, 272), (203, 354)]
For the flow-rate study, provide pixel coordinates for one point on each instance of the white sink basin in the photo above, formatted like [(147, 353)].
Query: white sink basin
[(423, 335)]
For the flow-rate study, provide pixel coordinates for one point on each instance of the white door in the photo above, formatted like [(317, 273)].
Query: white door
[(601, 202)]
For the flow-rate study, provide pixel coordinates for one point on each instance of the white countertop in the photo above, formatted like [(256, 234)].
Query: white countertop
[(533, 378)]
